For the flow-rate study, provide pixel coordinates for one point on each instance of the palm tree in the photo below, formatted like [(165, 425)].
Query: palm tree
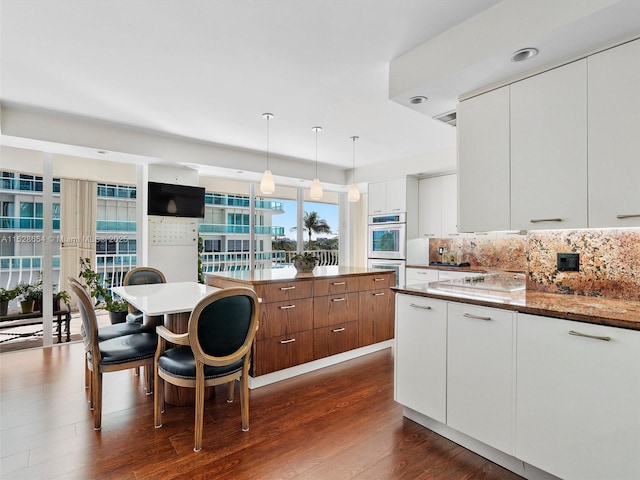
[(312, 223)]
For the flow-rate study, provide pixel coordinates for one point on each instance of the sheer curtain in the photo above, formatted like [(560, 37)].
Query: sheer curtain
[(78, 211)]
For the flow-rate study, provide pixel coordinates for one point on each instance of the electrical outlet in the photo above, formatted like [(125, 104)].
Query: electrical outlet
[(568, 262), (441, 250)]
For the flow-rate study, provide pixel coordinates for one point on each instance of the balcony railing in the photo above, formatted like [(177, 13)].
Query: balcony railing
[(25, 223), (26, 184), (229, 261), (239, 229), (243, 202), (115, 226), (113, 268)]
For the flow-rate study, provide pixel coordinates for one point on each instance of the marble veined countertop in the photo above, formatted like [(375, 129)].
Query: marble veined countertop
[(597, 310)]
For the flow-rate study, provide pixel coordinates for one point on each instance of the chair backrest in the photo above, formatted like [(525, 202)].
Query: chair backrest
[(143, 276), (87, 313), (223, 325)]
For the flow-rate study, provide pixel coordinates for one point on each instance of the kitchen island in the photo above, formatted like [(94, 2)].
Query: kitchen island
[(312, 320), (543, 384)]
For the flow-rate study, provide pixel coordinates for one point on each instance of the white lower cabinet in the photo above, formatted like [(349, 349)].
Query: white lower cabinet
[(578, 398), (421, 355), (416, 276), (480, 374)]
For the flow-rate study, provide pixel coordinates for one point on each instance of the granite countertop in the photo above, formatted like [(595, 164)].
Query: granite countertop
[(597, 310), (268, 275)]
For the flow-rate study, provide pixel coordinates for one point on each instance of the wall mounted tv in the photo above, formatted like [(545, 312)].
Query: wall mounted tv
[(170, 200)]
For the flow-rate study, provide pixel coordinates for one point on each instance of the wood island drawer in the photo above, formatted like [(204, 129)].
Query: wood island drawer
[(277, 353), (376, 281), (336, 339), (281, 291), (333, 286), (335, 309), (283, 318)]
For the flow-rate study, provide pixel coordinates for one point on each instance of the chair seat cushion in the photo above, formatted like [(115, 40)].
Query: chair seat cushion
[(128, 348), (179, 362), (120, 329)]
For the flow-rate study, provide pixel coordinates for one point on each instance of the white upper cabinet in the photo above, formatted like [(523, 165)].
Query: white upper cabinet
[(438, 212), (388, 197), (483, 162), (614, 137), (549, 149)]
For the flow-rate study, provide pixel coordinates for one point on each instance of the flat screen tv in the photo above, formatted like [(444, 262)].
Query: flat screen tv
[(170, 200)]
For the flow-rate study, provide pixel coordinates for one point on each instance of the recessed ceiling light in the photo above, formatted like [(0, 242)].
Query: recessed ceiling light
[(524, 54), (418, 99)]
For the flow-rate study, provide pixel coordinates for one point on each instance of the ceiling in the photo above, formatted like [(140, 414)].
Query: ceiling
[(207, 70)]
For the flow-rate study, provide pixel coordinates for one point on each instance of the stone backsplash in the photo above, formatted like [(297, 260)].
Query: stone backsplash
[(609, 259)]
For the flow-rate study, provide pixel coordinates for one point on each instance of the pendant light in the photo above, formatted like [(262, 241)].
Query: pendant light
[(316, 188), (354, 193), (267, 185)]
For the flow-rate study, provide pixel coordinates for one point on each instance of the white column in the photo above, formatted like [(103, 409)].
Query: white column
[(299, 231), (252, 227), (47, 250)]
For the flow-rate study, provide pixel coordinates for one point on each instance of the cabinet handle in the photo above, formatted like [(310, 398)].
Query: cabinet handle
[(478, 317), (379, 294), (338, 283), (429, 235), (287, 288), (538, 220), (634, 215), (378, 279), (395, 209), (342, 299), (286, 307), (481, 233), (421, 273), (586, 335), (288, 341), (425, 307), (336, 330)]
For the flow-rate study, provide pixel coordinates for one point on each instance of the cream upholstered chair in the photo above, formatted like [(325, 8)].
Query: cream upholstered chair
[(215, 350), (117, 353), (143, 276)]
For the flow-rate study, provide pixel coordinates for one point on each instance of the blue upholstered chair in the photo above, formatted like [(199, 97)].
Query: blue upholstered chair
[(131, 350), (215, 350), (143, 276)]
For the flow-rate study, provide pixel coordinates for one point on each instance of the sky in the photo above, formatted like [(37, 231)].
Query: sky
[(287, 219)]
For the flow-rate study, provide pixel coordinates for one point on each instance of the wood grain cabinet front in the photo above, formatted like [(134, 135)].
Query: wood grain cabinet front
[(335, 339), (335, 309), (284, 291), (376, 309), (278, 353), (284, 318)]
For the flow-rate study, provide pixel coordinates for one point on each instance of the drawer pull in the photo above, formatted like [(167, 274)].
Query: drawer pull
[(287, 288), (378, 279), (428, 234), (342, 299), (336, 330), (538, 220), (287, 341), (379, 294), (424, 307), (338, 283), (478, 317), (286, 307), (634, 215), (586, 335)]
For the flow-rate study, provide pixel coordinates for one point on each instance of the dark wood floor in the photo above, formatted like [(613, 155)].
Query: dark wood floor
[(337, 423)]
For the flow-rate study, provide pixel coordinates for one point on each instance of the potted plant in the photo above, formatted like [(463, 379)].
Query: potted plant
[(304, 262), (6, 296), (27, 293), (60, 298), (116, 307)]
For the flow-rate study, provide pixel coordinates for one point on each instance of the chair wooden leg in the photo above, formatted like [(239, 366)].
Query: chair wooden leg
[(97, 399), (158, 399), (244, 402), (230, 392), (148, 379), (199, 407), (87, 374)]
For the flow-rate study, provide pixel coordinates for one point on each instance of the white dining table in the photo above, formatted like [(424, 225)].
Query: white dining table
[(164, 298)]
